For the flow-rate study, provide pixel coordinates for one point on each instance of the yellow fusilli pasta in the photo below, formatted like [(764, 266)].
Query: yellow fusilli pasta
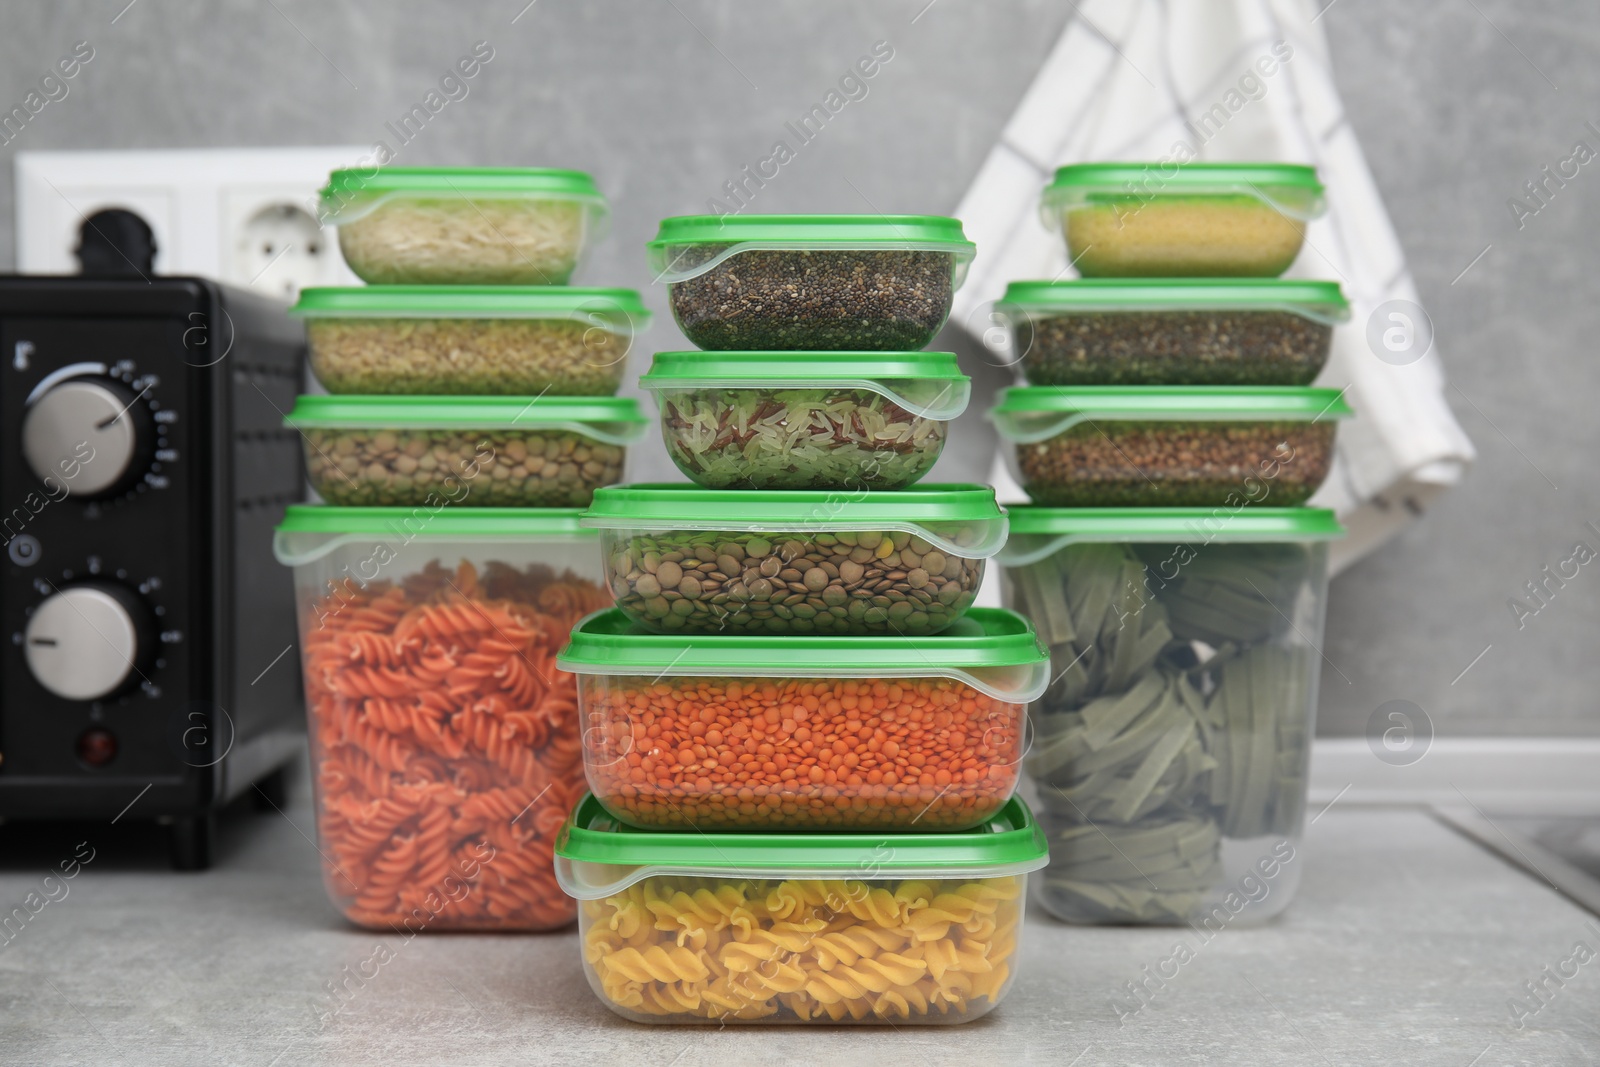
[(677, 949)]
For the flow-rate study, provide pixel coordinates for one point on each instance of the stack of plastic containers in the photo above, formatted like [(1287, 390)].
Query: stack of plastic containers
[(1168, 438), (471, 419), (801, 739)]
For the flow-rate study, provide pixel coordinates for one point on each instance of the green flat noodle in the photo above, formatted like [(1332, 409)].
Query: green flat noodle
[(1160, 870)]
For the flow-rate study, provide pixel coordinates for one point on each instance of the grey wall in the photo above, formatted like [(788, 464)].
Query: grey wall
[(665, 101)]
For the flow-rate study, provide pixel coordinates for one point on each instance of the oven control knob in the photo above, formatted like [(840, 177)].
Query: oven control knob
[(89, 640), (93, 435)]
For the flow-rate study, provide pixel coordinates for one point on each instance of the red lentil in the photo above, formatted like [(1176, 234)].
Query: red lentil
[(799, 753)]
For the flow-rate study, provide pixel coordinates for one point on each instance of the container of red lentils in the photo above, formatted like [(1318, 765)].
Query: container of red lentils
[(804, 732)]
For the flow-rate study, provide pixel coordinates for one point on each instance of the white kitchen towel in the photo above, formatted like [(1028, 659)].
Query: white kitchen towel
[(1234, 80)]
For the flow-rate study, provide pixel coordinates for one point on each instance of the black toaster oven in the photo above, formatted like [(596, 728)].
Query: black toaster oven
[(148, 667)]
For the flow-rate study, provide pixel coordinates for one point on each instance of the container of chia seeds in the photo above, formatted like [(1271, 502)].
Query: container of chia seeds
[(1163, 220), (806, 420), (1173, 331), (1169, 446), (682, 559), (810, 282)]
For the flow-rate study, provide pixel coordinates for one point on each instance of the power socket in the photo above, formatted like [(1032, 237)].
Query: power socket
[(244, 216)]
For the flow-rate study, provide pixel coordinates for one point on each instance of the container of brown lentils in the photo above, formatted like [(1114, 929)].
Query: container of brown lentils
[(439, 340), (810, 282), (540, 452), (1169, 446), (806, 420), (683, 559), (1172, 331)]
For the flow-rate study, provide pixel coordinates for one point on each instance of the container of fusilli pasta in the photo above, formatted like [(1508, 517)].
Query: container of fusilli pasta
[(445, 747), (799, 928), (450, 451), (806, 733)]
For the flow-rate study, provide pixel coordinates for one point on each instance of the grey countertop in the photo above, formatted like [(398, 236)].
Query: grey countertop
[(1407, 945)]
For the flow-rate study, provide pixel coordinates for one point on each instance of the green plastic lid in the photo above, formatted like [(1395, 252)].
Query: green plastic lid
[(927, 384), (310, 531), (604, 307), (990, 649), (597, 856), (741, 233), (1291, 187), (353, 191), (1037, 532), (614, 420), (1032, 413), (1317, 300), (963, 520)]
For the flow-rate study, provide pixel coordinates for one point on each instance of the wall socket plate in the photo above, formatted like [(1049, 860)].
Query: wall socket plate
[(244, 216)]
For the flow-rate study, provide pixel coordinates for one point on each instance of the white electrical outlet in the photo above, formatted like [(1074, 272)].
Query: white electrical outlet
[(244, 216)]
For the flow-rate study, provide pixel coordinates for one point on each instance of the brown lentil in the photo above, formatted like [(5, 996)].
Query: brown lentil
[(1177, 464), (847, 582), (795, 299), (506, 468)]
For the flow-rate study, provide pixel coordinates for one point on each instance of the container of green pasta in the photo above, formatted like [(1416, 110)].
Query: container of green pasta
[(1170, 751), (806, 420), (792, 928)]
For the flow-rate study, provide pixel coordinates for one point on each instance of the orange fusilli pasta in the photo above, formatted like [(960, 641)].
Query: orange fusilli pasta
[(445, 745)]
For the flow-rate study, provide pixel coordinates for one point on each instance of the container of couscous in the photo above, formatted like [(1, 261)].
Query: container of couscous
[(1169, 219)]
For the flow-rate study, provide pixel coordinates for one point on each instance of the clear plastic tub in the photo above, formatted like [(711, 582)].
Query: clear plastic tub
[(539, 451), (1172, 331), (445, 747), (687, 560), (806, 420), (1166, 220), (799, 928), (805, 733), (463, 225), (1170, 751), (880, 283), (1169, 446), (441, 340)]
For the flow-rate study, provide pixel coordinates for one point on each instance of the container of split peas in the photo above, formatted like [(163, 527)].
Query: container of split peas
[(739, 928), (487, 451), (801, 732), (1164, 220), (686, 560), (1169, 446)]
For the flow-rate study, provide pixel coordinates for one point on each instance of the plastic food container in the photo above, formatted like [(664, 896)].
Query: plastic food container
[(799, 928), (540, 451), (794, 733), (463, 225), (445, 748), (1170, 750), (1173, 331), (475, 340), (811, 282), (1169, 446), (806, 420), (681, 559), (1158, 220)]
